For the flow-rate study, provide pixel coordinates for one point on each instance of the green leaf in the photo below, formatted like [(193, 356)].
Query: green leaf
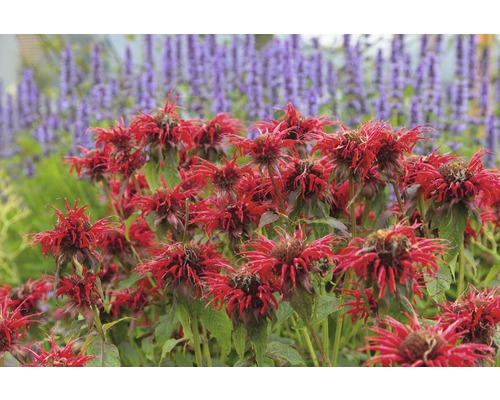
[(452, 227), (168, 346), (438, 285), (152, 174), (240, 339), (164, 329), (327, 304), (185, 319), (258, 337), (107, 354), (284, 352), (109, 325), (218, 324), (332, 223), (302, 302), (267, 218), (170, 171), (284, 312)]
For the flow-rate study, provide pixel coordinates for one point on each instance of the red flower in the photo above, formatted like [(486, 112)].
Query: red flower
[(58, 357), (290, 259), (27, 296), (478, 313), (364, 305), (164, 129), (83, 294), (413, 163), (295, 125), (134, 299), (458, 181), (74, 238), (388, 257), (352, 152), (248, 298), (309, 176), (224, 178), (168, 206), (125, 151), (232, 217), (13, 325), (94, 162), (123, 199), (183, 265), (210, 134), (416, 346)]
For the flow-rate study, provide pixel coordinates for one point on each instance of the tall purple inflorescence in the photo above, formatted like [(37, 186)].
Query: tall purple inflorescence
[(492, 138), (290, 82), (219, 104), (471, 67), (67, 79)]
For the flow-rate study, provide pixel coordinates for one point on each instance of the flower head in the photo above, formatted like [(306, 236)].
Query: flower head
[(210, 134), (93, 163), (57, 356), (26, 296), (13, 325), (422, 346), (388, 257)]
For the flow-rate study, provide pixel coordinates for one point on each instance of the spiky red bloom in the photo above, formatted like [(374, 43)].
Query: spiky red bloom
[(132, 299), (13, 325), (210, 134), (309, 176), (164, 128), (392, 145), (295, 125), (183, 265), (352, 152), (123, 199), (478, 313), (94, 164), (422, 346), (125, 151), (57, 356), (232, 217), (224, 178), (363, 305), (247, 297), (83, 294), (168, 206), (265, 148), (290, 259), (26, 296), (413, 163), (74, 238), (459, 181), (387, 257)]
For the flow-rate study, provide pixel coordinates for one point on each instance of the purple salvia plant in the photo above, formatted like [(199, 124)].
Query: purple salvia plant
[(236, 65), (459, 111), (317, 72), (246, 59), (255, 108), (424, 46), (415, 115), (382, 107), (312, 102), (219, 104), (491, 141), (148, 81), (97, 65), (407, 69), (420, 74), (460, 61), (471, 68), (396, 75), (331, 82), (168, 64), (290, 82), (195, 78), (66, 79), (303, 70), (275, 75), (484, 98), (81, 133), (180, 56)]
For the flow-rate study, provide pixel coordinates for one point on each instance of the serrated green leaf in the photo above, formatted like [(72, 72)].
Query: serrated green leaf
[(302, 302), (109, 325), (284, 312), (164, 329), (240, 339), (331, 222), (438, 285), (327, 304), (218, 324), (168, 346), (452, 227), (286, 352), (106, 354), (258, 337), (185, 319)]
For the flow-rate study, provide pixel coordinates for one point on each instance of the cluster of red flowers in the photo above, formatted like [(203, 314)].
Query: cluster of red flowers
[(246, 227)]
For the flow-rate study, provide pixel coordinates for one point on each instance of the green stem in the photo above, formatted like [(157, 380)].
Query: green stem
[(206, 348), (326, 360), (461, 270), (487, 250), (338, 334), (398, 197), (311, 348), (352, 207), (196, 343), (325, 334)]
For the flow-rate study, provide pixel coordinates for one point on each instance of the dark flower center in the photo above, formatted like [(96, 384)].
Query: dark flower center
[(287, 250), (226, 178), (249, 283), (164, 121), (455, 172), (420, 345), (390, 250), (192, 256), (354, 136)]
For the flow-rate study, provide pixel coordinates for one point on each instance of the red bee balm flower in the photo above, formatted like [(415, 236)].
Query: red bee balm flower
[(392, 256), (58, 357), (74, 238), (478, 313), (248, 298), (183, 265), (13, 325), (290, 258), (416, 346), (458, 181), (210, 134), (310, 176), (27, 296), (94, 162)]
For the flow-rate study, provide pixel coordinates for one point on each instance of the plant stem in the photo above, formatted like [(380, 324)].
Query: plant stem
[(196, 343), (325, 358), (206, 348), (311, 348), (461, 270), (398, 197), (325, 334), (352, 207), (338, 334)]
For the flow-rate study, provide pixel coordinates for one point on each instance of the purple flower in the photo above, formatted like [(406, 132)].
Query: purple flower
[(147, 100), (81, 133), (220, 103), (491, 141), (275, 75), (67, 78), (312, 102), (424, 46), (97, 67), (459, 107), (382, 107), (415, 116), (471, 70), (460, 63), (484, 97), (195, 78), (396, 74), (169, 64), (255, 108), (290, 82)]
